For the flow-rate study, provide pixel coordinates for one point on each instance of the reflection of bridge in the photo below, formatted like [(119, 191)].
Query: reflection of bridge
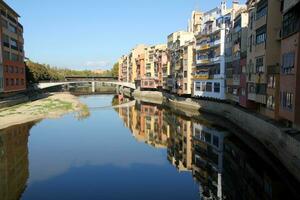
[(124, 105), (93, 80)]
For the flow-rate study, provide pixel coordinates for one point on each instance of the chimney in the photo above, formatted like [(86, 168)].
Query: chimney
[(235, 4)]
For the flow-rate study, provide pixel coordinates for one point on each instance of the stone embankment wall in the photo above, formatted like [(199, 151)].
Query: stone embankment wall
[(148, 96), (13, 101)]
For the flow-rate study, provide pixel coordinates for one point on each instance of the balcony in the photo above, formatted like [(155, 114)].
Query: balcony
[(202, 61), (201, 77), (202, 74), (215, 59), (203, 47), (236, 80), (259, 98), (215, 43)]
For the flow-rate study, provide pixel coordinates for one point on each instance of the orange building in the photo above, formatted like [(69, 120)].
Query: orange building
[(12, 66)]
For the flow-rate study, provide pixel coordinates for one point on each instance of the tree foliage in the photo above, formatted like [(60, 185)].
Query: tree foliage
[(115, 70), (37, 72)]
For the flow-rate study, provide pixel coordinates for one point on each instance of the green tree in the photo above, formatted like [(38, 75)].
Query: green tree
[(115, 70)]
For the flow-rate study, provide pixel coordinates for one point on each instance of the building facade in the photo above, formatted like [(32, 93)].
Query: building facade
[(177, 42), (290, 64), (12, 66), (263, 55), (209, 72), (236, 60)]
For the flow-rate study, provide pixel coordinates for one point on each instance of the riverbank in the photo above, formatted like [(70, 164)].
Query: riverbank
[(282, 142), (52, 106)]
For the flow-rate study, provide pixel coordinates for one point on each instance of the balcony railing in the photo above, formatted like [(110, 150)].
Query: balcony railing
[(203, 47), (259, 98), (202, 61), (201, 77)]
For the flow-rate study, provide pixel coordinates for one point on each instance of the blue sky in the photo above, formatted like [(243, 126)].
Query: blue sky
[(92, 34)]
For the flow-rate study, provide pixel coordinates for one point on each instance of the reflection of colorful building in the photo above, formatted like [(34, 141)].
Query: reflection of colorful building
[(247, 176), (14, 170), (208, 147), (180, 142), (146, 124)]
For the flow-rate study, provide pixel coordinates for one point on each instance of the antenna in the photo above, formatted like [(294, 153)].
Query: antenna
[(197, 5)]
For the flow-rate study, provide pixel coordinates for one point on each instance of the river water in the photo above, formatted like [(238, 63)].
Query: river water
[(132, 150)]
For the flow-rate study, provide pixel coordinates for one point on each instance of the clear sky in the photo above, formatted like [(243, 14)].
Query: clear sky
[(94, 33)]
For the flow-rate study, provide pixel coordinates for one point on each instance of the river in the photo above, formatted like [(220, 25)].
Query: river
[(135, 151)]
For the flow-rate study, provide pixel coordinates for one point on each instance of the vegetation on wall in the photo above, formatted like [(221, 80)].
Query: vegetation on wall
[(36, 72)]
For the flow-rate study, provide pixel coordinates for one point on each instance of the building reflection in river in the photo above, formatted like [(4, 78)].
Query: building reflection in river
[(14, 162), (222, 165)]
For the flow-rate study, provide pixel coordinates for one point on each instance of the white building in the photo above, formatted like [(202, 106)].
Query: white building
[(209, 73)]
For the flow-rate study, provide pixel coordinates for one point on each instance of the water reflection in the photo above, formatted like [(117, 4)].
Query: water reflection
[(172, 156), (14, 170), (222, 165)]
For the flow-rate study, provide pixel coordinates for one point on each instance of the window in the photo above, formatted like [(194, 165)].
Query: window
[(287, 100), (216, 141), (203, 86), (209, 87), (262, 8), (271, 81), (198, 86), (4, 23), (288, 62), (261, 35), (11, 69), (14, 44), (207, 136), (148, 66), (6, 55), (17, 81), (290, 22), (250, 43), (217, 87), (243, 92), (251, 88), (271, 102), (7, 82), (251, 19), (12, 28), (185, 86), (5, 40), (14, 57), (12, 81), (17, 69), (22, 82), (260, 64), (261, 89), (185, 74)]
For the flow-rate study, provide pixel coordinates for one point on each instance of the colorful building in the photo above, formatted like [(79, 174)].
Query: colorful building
[(263, 55), (209, 72), (290, 65), (12, 66), (177, 42)]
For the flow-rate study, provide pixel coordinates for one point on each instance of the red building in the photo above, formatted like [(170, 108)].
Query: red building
[(290, 65)]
